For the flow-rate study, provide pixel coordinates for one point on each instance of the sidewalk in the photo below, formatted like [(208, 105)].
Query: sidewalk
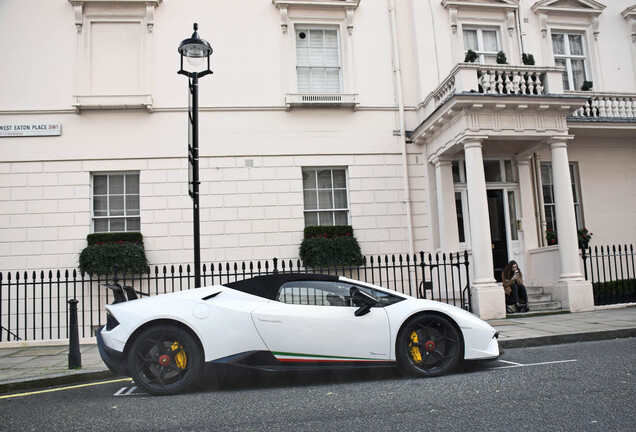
[(38, 364)]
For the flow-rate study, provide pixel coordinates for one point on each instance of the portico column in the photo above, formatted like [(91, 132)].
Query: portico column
[(574, 291), (488, 296), (447, 213)]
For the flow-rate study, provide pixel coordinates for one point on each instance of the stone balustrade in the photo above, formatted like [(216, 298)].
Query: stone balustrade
[(606, 105), (507, 81), (495, 79)]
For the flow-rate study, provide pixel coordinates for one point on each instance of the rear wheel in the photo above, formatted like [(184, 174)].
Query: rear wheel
[(428, 345), (165, 359)]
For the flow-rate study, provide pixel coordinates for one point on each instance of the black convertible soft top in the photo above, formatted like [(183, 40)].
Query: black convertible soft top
[(267, 286)]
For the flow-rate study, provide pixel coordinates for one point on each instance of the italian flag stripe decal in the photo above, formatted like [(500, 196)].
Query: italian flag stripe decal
[(296, 357)]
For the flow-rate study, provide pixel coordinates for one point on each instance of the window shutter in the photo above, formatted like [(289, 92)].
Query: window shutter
[(318, 61)]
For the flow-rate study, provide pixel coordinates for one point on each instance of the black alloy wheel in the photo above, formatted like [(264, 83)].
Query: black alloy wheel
[(428, 345), (165, 359)]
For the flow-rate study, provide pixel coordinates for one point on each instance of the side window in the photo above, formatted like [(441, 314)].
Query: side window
[(324, 293), (384, 298), (315, 293)]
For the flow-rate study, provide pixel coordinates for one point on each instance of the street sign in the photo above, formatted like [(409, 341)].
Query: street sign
[(30, 129)]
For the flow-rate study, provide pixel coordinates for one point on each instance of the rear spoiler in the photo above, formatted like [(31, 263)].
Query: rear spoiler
[(123, 294)]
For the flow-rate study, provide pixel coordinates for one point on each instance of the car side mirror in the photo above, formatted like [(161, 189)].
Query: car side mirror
[(367, 300)]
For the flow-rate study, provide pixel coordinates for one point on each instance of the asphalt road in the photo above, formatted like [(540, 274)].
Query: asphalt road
[(587, 386)]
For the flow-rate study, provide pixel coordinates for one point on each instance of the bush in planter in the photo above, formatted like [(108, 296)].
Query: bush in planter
[(329, 246), (584, 237), (587, 85), (471, 56), (527, 59), (501, 58), (111, 253)]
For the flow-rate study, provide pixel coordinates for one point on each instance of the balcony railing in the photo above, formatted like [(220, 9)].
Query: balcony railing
[(495, 79), (530, 80), (606, 106)]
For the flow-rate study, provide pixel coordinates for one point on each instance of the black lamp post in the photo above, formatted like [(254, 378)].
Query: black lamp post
[(196, 50)]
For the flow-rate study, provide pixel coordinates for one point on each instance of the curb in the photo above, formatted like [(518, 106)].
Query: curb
[(568, 338), (54, 381)]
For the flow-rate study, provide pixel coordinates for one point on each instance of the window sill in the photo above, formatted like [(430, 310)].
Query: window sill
[(321, 100), (95, 102)]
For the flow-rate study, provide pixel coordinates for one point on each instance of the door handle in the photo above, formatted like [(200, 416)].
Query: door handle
[(272, 320)]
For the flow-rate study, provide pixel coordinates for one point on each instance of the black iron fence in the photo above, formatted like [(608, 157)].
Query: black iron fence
[(34, 306), (612, 273)]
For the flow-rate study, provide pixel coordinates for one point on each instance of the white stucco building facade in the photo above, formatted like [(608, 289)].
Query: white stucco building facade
[(359, 112)]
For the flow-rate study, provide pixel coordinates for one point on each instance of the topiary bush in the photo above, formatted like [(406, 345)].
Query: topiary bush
[(112, 253), (501, 58), (527, 59), (330, 246), (128, 237), (471, 56)]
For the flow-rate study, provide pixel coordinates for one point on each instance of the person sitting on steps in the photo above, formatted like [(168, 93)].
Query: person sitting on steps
[(516, 293)]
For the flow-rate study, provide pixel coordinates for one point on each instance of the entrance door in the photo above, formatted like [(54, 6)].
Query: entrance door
[(498, 231)]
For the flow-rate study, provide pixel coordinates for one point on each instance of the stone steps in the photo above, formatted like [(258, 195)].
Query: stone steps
[(539, 301)]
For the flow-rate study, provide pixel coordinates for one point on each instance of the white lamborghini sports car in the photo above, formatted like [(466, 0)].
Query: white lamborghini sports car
[(282, 322)]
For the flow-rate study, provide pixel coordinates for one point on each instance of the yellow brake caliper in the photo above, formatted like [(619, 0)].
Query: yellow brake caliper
[(180, 357), (416, 355)]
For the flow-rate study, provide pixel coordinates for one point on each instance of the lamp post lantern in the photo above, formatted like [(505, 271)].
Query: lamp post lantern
[(195, 50)]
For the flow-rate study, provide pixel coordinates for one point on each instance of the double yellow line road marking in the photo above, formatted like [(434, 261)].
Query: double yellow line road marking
[(63, 388)]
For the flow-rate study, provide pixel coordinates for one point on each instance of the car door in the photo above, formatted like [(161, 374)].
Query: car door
[(315, 321)]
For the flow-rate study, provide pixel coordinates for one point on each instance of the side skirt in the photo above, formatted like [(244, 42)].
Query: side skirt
[(269, 361)]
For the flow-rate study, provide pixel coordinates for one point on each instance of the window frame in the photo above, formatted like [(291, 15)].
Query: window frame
[(309, 28), (297, 14), (567, 57), (333, 210), (125, 216), (481, 52), (576, 195)]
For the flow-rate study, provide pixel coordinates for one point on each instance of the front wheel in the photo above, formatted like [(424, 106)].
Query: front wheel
[(428, 345), (165, 359)]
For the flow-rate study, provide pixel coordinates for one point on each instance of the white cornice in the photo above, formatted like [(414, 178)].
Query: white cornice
[(147, 2), (630, 12), (498, 4), (590, 7), (630, 15), (346, 4)]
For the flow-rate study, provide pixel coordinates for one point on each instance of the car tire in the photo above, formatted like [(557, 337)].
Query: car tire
[(428, 345), (165, 359)]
